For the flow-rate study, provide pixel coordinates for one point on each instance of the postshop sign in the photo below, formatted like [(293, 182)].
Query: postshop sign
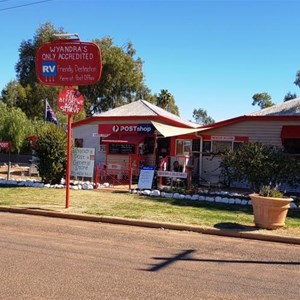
[(68, 63)]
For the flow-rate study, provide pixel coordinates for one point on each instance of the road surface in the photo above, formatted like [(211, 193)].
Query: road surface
[(49, 258)]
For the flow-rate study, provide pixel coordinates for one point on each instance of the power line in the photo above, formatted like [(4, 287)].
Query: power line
[(22, 5)]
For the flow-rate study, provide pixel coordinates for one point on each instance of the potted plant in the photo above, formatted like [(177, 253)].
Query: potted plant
[(270, 208), (265, 168)]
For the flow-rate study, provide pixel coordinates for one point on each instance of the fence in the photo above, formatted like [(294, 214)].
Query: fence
[(121, 173)]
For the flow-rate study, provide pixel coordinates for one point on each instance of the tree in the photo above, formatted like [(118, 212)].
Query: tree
[(33, 93), (297, 80), (14, 127), (289, 96), (122, 79), (51, 149), (263, 100), (25, 67), (201, 117), (166, 101)]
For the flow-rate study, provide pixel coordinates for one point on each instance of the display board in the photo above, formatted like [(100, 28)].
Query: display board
[(146, 178), (83, 161)]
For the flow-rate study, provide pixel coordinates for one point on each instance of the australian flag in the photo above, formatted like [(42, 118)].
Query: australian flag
[(50, 115)]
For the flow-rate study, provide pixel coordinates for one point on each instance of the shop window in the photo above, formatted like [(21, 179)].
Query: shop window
[(219, 147), (149, 145), (78, 143), (196, 145), (206, 148), (183, 147), (237, 145), (121, 148), (291, 146)]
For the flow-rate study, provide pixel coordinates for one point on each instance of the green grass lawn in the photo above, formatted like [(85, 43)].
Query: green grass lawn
[(123, 204)]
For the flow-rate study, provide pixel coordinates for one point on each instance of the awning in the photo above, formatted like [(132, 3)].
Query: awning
[(290, 132), (128, 139), (168, 130)]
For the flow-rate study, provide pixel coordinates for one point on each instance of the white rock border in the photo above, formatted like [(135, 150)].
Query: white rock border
[(218, 197)]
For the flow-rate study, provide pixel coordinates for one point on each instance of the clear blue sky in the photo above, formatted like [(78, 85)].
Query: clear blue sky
[(209, 54)]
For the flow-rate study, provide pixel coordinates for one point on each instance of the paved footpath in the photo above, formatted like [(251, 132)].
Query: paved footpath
[(265, 236)]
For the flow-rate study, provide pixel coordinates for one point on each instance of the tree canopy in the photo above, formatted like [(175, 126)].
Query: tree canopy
[(263, 100), (166, 101), (201, 117), (122, 79), (289, 96)]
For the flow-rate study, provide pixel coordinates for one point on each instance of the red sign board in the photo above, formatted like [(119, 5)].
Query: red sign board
[(70, 101), (4, 145), (68, 63)]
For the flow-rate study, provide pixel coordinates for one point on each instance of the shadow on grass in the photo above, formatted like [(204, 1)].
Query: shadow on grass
[(213, 206), (235, 226)]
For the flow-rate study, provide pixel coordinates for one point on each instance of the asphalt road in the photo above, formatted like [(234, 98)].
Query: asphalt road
[(49, 258)]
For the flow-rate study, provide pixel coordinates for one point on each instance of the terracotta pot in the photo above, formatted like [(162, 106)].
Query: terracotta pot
[(269, 213)]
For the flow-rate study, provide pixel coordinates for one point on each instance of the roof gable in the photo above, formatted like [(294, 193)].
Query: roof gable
[(143, 108)]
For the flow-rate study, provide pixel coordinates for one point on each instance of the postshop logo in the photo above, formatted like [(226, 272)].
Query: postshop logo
[(116, 128)]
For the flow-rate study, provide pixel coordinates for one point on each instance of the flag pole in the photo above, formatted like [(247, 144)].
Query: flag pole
[(45, 118)]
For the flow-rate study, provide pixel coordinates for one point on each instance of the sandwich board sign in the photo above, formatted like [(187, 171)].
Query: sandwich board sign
[(146, 177)]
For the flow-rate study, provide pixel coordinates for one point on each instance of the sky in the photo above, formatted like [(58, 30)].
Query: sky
[(214, 55)]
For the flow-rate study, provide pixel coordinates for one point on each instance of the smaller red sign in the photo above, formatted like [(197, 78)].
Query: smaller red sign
[(70, 101), (4, 145)]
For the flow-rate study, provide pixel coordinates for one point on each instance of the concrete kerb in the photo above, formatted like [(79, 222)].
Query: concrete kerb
[(152, 224)]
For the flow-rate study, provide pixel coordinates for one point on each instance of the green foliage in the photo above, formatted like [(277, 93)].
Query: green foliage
[(25, 67), (289, 96), (122, 79), (166, 101), (297, 80), (51, 149), (14, 127), (261, 165), (201, 117), (263, 100), (267, 191)]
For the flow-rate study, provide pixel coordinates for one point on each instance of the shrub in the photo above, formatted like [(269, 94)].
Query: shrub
[(261, 165), (51, 149)]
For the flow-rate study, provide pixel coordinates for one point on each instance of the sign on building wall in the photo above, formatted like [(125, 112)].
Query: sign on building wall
[(126, 128), (83, 162)]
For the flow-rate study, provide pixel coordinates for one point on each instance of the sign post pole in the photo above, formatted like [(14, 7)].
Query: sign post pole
[(68, 171)]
